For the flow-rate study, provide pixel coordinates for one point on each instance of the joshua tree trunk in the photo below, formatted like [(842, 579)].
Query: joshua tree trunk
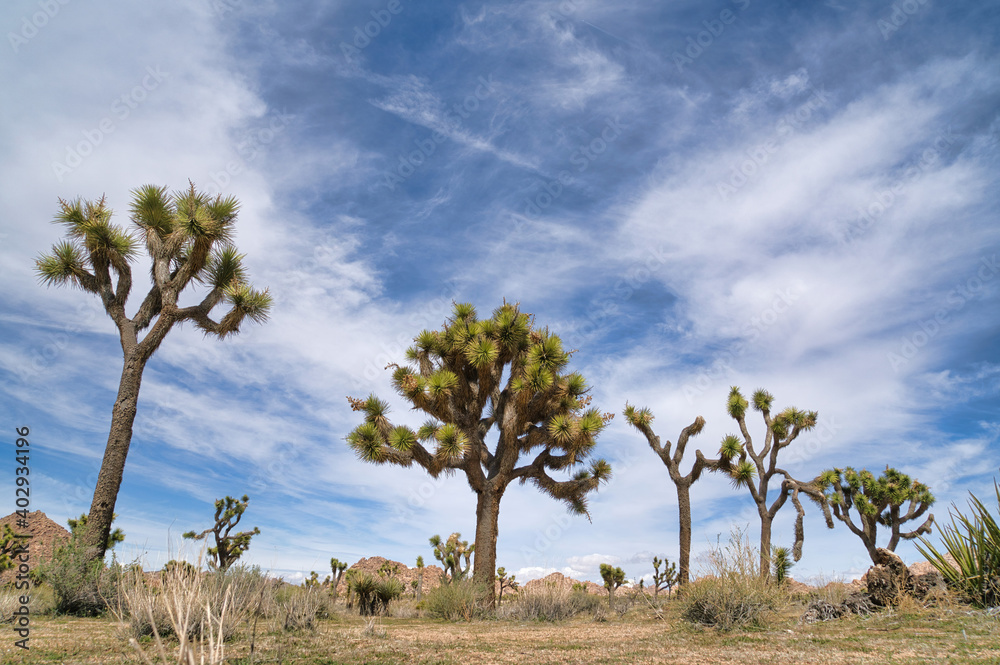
[(487, 520), (109, 479), (684, 510), (765, 544)]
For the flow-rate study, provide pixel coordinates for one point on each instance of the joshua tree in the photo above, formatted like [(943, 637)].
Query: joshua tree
[(228, 547), (475, 376), (338, 567), (641, 420), (450, 554), (78, 526), (420, 576), (506, 582), (613, 578), (9, 545), (187, 236), (665, 580), (877, 501), (745, 464), (781, 563)]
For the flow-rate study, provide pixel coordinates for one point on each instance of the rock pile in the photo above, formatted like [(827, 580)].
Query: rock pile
[(46, 536)]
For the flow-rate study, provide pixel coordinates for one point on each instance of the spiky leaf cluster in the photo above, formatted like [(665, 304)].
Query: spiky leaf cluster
[(476, 375), (77, 527), (188, 237), (450, 553)]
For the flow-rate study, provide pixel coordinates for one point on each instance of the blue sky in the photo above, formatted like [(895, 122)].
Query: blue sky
[(797, 196)]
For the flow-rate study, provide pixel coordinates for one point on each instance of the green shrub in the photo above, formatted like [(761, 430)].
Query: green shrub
[(733, 594), (462, 600), (79, 586), (549, 603), (973, 542)]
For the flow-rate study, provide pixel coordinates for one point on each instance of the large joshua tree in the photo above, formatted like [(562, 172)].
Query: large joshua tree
[(641, 419), (187, 236), (877, 501), (745, 464), (474, 377)]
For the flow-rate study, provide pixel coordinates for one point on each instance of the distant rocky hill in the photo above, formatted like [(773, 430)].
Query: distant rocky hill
[(46, 536), (561, 581), (432, 574)]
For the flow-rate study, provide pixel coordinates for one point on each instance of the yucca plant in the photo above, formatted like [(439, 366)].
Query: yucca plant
[(877, 501), (476, 376), (364, 585), (781, 563), (450, 553), (752, 469), (973, 541), (188, 237)]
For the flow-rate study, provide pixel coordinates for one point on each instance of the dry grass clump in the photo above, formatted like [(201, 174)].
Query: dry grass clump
[(458, 601), (548, 603), (733, 594), (147, 608)]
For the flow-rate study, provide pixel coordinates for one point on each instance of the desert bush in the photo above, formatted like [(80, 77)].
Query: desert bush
[(549, 603), (461, 600), (299, 608), (733, 594), (79, 586), (973, 541)]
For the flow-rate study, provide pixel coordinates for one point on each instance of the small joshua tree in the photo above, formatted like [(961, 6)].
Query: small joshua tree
[(338, 567), (877, 501), (420, 576), (228, 546), (9, 544), (506, 582), (450, 554), (665, 580), (613, 578), (641, 419), (78, 526), (781, 563), (745, 464)]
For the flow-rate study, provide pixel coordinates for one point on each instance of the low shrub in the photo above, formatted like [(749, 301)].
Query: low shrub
[(461, 600), (548, 603), (79, 586), (733, 594)]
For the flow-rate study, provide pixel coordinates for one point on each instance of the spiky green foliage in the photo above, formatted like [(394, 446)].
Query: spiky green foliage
[(665, 579), (450, 553), (337, 567), (877, 502), (498, 377), (229, 546), (9, 546), (781, 563), (79, 525), (752, 466), (973, 542), (187, 236), (642, 419), (613, 578)]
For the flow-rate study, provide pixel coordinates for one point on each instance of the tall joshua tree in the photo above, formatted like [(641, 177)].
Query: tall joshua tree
[(187, 236), (473, 377), (877, 501), (641, 419), (745, 464)]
